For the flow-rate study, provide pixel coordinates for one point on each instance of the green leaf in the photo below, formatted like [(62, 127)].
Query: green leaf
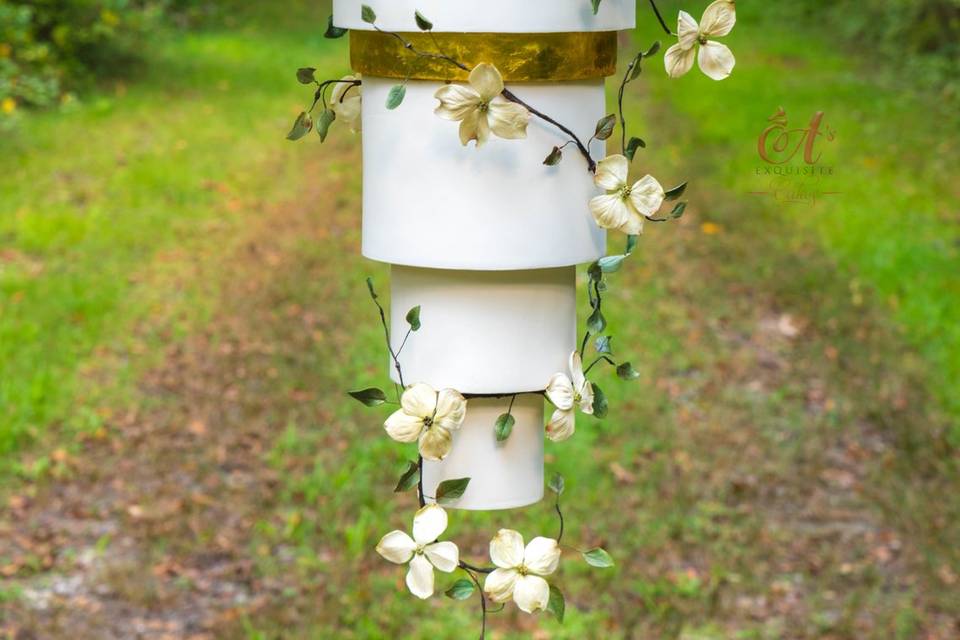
[(450, 490), (653, 49), (413, 318), (504, 426), (605, 127), (373, 293), (305, 75), (678, 210), (602, 344), (371, 397), (610, 264), (557, 484), (598, 558), (301, 126), (596, 6), (627, 372), (395, 97), (460, 590), (422, 23), (596, 323), (600, 406), (676, 192), (333, 31), (409, 479), (594, 271), (633, 145), (327, 116), (635, 68), (554, 158), (556, 604), (367, 14), (631, 243)]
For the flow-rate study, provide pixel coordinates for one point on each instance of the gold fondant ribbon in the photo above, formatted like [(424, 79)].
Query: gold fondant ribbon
[(520, 57)]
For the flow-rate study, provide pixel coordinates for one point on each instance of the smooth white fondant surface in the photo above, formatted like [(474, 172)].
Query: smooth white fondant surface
[(490, 16), (484, 331), (428, 201), (503, 475)]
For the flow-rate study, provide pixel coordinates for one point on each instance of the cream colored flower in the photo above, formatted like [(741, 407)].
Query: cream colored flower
[(422, 551), (481, 109), (346, 101), (624, 206), (519, 570), (715, 59), (566, 395), (428, 416)]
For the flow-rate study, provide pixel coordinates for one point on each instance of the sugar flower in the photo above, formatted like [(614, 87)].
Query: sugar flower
[(520, 570), (715, 59), (625, 206), (480, 109), (566, 394), (422, 551), (346, 101), (429, 417)]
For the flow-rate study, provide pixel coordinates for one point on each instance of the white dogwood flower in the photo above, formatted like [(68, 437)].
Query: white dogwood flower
[(624, 207), (428, 416), (346, 102), (715, 59), (422, 551), (519, 573), (481, 109), (566, 394)]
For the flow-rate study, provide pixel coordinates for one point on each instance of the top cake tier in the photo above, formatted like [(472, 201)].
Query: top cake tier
[(490, 16)]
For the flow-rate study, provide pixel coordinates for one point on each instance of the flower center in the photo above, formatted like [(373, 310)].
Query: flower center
[(577, 398), (419, 550), (483, 107), (428, 422), (522, 570), (702, 39), (625, 191)]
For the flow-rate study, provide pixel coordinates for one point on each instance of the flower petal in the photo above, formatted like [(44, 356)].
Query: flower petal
[(678, 60), (443, 555), (428, 523), (456, 101), (560, 391), (609, 211), (397, 547), (562, 425), (420, 577), (506, 549), (612, 172), (508, 119), (486, 80), (718, 19), (576, 370), (483, 129), (435, 443), (419, 400), (633, 226), (347, 103), (531, 593), (687, 30), (403, 427), (470, 126), (451, 409), (716, 60), (499, 584), (646, 196), (542, 556), (586, 399)]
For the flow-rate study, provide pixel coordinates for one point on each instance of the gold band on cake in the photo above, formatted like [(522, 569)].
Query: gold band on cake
[(520, 57)]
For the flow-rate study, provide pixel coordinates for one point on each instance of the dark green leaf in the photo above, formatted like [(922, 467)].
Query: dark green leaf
[(395, 97), (301, 126), (631, 243), (422, 23), (594, 271), (409, 479), (633, 145), (596, 6), (460, 590), (557, 484), (327, 116), (370, 397), (610, 264), (413, 318), (556, 604), (653, 49), (676, 192), (554, 158), (305, 75), (678, 210), (627, 372), (367, 14), (598, 558), (333, 31), (373, 293), (600, 406), (451, 490), (602, 344), (635, 68), (605, 127), (596, 323), (504, 426)]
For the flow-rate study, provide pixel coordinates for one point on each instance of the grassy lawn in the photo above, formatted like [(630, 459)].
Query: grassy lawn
[(183, 308)]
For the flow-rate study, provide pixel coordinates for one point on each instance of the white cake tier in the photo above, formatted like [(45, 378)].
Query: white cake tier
[(484, 331), (503, 475), (428, 201), (490, 16)]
